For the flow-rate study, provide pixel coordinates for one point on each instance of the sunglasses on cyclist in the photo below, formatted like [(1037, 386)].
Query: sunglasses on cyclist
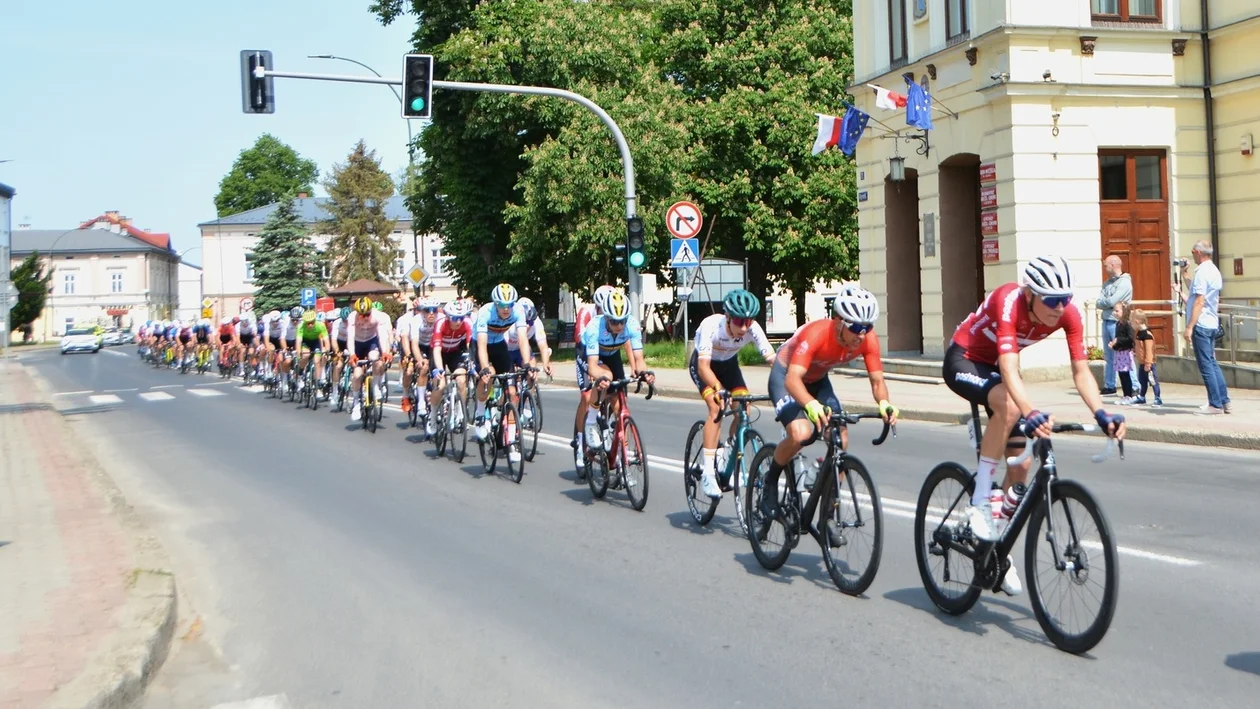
[(428, 310), (739, 322), (860, 328), (1056, 301), (457, 319)]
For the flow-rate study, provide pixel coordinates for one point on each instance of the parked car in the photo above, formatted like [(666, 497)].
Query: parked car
[(80, 340), (127, 337), (111, 337)]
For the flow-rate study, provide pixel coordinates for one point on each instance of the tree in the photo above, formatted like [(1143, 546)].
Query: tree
[(32, 285), (759, 77), (362, 244), (264, 174), (285, 260)]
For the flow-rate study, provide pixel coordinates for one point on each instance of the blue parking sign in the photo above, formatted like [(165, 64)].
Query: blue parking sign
[(308, 297)]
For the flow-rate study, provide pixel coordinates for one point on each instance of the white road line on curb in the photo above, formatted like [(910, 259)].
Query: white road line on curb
[(155, 396), (101, 399), (73, 393), (205, 392)]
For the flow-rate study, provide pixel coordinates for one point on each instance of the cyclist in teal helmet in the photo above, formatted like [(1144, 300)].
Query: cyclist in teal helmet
[(714, 369)]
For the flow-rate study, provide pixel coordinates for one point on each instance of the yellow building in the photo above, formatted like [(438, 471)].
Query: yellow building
[(1077, 126)]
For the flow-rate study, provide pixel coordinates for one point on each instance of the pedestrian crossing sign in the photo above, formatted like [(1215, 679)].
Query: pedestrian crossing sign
[(684, 253)]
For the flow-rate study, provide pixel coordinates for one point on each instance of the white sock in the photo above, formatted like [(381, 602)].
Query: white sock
[(580, 440), (707, 455), (481, 408), (984, 480), (591, 418), (511, 433)]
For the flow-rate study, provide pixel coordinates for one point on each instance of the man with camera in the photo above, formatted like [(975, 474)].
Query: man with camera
[(1203, 326)]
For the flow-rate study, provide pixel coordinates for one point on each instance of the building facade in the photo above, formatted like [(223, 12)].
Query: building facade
[(188, 294), (227, 245), (1080, 127)]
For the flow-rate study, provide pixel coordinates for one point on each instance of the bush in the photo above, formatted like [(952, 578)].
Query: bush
[(1095, 354)]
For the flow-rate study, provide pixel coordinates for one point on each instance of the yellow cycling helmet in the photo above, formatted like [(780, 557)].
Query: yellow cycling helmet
[(308, 316), (363, 305), (504, 295), (618, 307)]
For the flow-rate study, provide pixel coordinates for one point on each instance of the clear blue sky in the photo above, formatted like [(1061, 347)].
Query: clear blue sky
[(136, 105)]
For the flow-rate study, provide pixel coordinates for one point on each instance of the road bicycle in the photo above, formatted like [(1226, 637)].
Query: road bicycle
[(842, 498), (341, 391), (453, 415), (372, 407), (946, 545), (203, 359), (531, 409), (310, 387), (733, 475), (504, 435), (621, 461)]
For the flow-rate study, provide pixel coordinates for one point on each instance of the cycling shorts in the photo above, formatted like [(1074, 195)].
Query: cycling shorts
[(340, 346), (426, 351), (973, 381), (274, 340), (786, 408), (247, 340), (497, 352), (203, 338), (225, 339), (727, 372), (612, 362), (291, 344), (456, 358), (312, 345), (361, 349)]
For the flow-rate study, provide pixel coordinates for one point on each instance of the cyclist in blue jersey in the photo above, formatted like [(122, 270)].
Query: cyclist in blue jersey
[(599, 357), (493, 321)]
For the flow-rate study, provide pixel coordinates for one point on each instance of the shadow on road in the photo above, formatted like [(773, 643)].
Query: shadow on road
[(797, 566), (726, 525), (1244, 662), (1020, 624)]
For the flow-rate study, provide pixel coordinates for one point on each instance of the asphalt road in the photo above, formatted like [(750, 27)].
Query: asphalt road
[(343, 569)]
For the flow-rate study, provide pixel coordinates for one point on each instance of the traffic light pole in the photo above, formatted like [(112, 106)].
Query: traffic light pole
[(634, 283)]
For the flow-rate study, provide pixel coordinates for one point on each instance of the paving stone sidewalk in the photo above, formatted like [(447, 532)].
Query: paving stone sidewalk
[(86, 605)]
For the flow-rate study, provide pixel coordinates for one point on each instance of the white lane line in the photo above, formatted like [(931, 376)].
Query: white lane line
[(118, 391), (275, 701), (168, 386), (253, 388), (73, 393), (102, 399), (220, 382), (205, 392), (155, 396), (115, 353)]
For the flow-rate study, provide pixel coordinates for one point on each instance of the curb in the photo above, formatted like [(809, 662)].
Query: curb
[(1136, 432), (117, 676)]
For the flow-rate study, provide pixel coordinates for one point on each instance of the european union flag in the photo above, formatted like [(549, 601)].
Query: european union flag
[(851, 129), (918, 106)]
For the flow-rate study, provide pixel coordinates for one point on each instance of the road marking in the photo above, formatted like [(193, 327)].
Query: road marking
[(155, 396), (253, 388), (73, 393), (205, 392), (102, 399), (168, 386), (275, 701), (218, 383), (118, 391), (116, 354)]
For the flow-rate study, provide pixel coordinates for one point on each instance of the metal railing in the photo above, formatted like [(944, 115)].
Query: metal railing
[(1234, 318)]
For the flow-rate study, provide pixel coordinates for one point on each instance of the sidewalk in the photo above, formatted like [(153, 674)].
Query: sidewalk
[(86, 610), (1175, 422)]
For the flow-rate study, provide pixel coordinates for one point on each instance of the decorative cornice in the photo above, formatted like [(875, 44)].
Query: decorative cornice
[(1087, 45), (1179, 47)]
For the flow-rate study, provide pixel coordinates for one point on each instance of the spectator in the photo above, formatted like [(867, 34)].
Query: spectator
[(1117, 289), (1147, 375), (1122, 352), (1202, 323)]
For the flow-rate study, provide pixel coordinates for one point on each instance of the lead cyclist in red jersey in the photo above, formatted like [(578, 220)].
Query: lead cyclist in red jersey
[(982, 366)]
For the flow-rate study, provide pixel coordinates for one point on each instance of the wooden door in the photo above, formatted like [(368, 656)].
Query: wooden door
[(1133, 199)]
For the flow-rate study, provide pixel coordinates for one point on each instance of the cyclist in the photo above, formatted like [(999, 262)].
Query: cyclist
[(799, 386), (493, 321), (337, 333), (982, 366), (227, 336), (599, 357), (584, 317), (420, 335), (183, 336), (451, 337), (289, 337), (533, 329), (246, 327), (312, 338), (714, 367), (201, 332), (273, 325), (370, 328)]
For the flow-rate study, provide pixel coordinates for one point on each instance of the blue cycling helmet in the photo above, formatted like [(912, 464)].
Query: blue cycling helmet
[(740, 303)]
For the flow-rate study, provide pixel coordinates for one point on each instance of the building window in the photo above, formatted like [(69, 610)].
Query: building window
[(249, 267), (116, 282), (769, 311), (68, 325), (897, 32), (1131, 175), (437, 261), (67, 284), (1127, 10), (956, 26), (400, 264), (1146, 173), (1114, 183)]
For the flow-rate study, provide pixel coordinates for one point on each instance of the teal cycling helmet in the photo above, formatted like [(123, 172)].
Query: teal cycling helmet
[(739, 303), (345, 313)]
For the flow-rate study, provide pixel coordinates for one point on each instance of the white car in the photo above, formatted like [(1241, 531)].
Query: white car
[(80, 340)]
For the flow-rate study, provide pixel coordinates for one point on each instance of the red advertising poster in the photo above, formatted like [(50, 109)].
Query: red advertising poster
[(989, 250), (988, 197), (988, 173), (988, 223)]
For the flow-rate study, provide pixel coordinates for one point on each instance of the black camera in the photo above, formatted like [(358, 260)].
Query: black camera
[(1180, 262)]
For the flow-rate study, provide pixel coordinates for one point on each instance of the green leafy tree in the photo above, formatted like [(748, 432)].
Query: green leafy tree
[(264, 174), (285, 260), (758, 77), (362, 244), (32, 285)]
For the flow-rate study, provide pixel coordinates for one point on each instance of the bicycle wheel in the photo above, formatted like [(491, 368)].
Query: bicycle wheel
[(412, 411), (315, 390), (440, 417), (634, 467), (460, 425), (597, 471), (771, 554), (530, 424), (511, 437), (938, 517), (1079, 528), (852, 528), (487, 448), (753, 442), (701, 505)]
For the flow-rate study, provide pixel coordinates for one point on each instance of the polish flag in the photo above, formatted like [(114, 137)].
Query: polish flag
[(890, 100), (828, 133)]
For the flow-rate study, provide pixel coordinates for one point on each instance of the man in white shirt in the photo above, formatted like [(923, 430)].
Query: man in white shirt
[(1202, 321)]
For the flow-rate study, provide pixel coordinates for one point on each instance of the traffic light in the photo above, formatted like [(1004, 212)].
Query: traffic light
[(417, 86), (634, 242), (257, 94)]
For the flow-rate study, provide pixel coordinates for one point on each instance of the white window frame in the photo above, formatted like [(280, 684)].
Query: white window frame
[(249, 268), (437, 262), (68, 280), (116, 280)]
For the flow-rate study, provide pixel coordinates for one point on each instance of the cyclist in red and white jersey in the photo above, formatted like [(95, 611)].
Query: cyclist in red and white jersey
[(982, 366), (449, 346)]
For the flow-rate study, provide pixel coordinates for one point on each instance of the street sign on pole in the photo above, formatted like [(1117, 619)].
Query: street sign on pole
[(247, 304), (417, 275), (308, 297), (207, 302), (684, 253), (207, 312), (683, 219)]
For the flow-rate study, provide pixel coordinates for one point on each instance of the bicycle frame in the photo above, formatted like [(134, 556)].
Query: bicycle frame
[(742, 427), (618, 391)]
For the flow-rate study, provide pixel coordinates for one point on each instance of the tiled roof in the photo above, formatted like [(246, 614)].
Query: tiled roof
[(77, 240), (310, 210), (162, 241)]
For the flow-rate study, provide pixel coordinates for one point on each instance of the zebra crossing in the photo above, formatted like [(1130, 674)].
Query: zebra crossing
[(119, 397)]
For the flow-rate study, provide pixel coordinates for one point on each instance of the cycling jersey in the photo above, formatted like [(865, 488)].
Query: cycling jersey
[(402, 327), (421, 330), (312, 332), (494, 327), (1003, 324), (451, 337), (275, 326), (584, 318), (818, 348), (201, 329), (368, 327), (714, 340), (247, 325), (596, 337), (534, 332)]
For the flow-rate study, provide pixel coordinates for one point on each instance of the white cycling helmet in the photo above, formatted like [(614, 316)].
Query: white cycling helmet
[(457, 309), (601, 297), (1048, 276), (225, 321), (855, 304)]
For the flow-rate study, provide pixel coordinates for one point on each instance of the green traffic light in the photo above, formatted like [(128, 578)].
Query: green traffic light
[(417, 103), (637, 259)]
